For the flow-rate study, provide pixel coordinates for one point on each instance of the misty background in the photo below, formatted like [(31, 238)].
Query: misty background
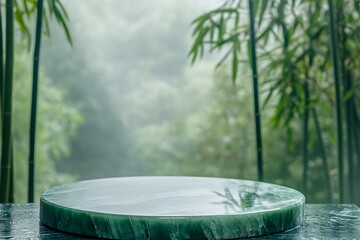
[(128, 74), (124, 100)]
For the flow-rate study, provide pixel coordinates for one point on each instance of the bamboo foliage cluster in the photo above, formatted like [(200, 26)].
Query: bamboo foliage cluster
[(18, 14), (307, 53)]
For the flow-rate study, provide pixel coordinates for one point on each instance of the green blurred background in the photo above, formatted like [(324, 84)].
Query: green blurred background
[(125, 100)]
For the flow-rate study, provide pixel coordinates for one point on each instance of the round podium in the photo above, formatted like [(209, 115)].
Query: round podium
[(171, 208)]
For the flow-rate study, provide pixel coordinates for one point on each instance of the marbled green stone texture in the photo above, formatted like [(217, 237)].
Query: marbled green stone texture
[(322, 221), (171, 208)]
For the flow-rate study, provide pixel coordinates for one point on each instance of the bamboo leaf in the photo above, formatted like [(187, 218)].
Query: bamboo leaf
[(302, 56), (201, 50), (264, 4), (199, 24), (237, 20), (312, 55), (197, 45), (219, 44), (212, 33), (317, 34), (265, 34), (234, 64), (284, 31), (23, 27), (290, 137), (357, 5), (50, 7), (26, 7), (60, 17), (226, 55), (281, 9), (350, 92), (249, 51), (46, 22), (63, 10), (201, 18), (67, 31), (268, 97), (222, 28), (223, 10), (256, 6), (194, 56)]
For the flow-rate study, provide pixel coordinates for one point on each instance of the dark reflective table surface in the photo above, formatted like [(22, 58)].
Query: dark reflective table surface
[(21, 221)]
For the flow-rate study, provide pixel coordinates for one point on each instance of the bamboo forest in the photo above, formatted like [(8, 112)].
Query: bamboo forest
[(264, 90)]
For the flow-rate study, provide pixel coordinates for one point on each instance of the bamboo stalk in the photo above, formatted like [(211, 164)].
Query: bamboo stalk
[(7, 110), (349, 133), (305, 138), (334, 44), (11, 193), (324, 158), (356, 141), (34, 97), (1, 70), (12, 183), (351, 165), (1, 62), (347, 85), (256, 92)]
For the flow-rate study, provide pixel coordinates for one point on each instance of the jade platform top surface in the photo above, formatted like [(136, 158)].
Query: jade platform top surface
[(172, 196)]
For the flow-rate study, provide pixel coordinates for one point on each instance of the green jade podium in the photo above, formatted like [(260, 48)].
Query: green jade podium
[(171, 208)]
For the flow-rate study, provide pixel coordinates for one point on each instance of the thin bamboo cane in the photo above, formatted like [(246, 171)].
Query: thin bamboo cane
[(334, 44), (356, 136), (11, 194), (347, 85), (349, 133), (324, 158), (1, 68), (34, 97), (305, 138), (12, 183), (7, 110), (1, 62), (357, 147), (356, 131), (256, 92)]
